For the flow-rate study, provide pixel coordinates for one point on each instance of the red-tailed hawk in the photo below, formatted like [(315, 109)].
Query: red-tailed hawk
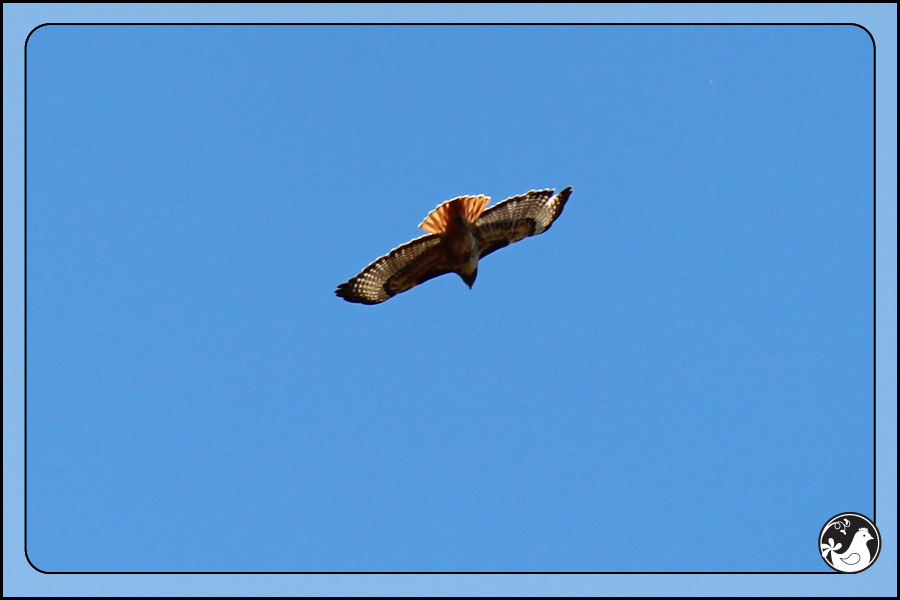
[(461, 232)]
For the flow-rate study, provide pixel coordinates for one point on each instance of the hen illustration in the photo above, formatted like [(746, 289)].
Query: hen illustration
[(853, 559)]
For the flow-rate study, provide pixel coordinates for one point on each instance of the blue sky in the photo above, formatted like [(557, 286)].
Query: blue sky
[(661, 382)]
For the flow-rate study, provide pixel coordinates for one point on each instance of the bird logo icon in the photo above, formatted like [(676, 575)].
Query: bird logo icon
[(864, 542)]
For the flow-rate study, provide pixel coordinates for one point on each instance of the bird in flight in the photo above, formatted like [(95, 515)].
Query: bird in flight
[(460, 232)]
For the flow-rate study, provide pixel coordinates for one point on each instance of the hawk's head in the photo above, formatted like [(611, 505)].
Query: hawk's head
[(470, 278)]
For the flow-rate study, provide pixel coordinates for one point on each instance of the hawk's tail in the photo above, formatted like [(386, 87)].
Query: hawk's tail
[(470, 206)]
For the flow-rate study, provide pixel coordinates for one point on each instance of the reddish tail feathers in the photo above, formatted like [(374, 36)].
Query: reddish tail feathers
[(470, 206)]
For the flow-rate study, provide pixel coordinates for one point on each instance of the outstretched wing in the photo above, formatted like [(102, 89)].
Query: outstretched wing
[(517, 218), (401, 269)]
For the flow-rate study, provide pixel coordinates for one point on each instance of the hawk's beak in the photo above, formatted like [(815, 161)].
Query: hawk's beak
[(470, 279)]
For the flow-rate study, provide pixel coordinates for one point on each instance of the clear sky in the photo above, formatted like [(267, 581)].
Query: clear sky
[(678, 376)]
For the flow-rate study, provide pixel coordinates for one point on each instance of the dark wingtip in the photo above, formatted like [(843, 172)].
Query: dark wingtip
[(563, 198), (345, 291)]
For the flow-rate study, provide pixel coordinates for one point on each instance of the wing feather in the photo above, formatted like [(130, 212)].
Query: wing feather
[(517, 218), (402, 268)]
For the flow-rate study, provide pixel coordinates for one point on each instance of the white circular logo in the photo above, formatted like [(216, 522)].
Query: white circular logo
[(849, 542)]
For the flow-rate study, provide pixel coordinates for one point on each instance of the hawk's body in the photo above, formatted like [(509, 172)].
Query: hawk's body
[(461, 232)]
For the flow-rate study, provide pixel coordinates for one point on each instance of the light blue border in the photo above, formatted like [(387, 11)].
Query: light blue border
[(19, 579)]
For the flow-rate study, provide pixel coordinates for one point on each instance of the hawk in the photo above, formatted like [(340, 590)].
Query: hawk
[(460, 232)]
